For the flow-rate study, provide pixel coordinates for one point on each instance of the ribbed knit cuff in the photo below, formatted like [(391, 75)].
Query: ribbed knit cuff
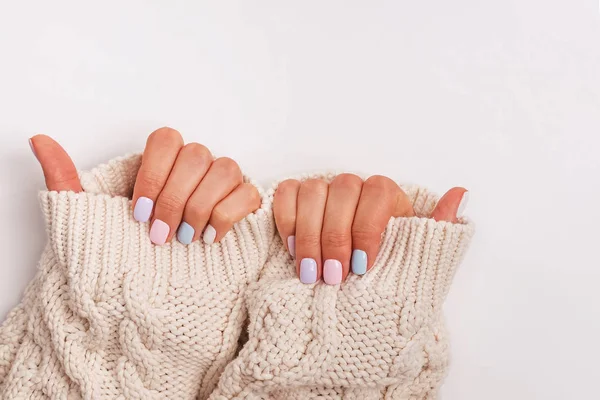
[(96, 228), (367, 338)]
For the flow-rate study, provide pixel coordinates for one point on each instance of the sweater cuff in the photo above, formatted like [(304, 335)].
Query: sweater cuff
[(96, 228), (417, 261), (368, 337)]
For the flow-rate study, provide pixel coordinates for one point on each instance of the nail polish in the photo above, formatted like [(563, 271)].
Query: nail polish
[(308, 270), (143, 209), (332, 272), (32, 148), (209, 234), (463, 205), (291, 242), (359, 262), (185, 233), (159, 232)]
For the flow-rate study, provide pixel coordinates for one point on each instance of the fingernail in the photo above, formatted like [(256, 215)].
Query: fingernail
[(159, 232), (32, 148), (332, 272), (143, 209), (209, 234), (359, 262), (308, 270), (463, 205), (185, 233), (291, 240)]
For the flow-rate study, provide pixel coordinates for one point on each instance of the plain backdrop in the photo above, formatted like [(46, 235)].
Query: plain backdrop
[(502, 97)]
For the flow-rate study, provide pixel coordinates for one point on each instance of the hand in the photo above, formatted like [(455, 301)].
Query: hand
[(183, 186), (178, 186), (331, 227)]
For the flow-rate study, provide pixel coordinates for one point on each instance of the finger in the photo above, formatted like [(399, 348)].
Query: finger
[(310, 210), (223, 176), (244, 200), (336, 236), (284, 210), (162, 148), (378, 203), (59, 171), (452, 205), (190, 167)]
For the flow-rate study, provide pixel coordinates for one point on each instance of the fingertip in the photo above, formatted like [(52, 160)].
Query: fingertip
[(58, 168), (452, 205)]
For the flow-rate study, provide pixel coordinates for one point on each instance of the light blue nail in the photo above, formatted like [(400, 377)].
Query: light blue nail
[(185, 233), (308, 270), (359, 262)]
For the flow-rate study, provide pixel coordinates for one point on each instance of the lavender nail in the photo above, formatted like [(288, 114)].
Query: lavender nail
[(308, 270), (143, 209), (291, 242)]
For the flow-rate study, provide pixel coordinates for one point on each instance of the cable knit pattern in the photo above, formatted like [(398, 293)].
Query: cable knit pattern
[(111, 316), (379, 336)]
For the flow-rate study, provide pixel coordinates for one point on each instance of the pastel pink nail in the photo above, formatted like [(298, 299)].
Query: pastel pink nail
[(332, 272), (291, 241), (159, 232)]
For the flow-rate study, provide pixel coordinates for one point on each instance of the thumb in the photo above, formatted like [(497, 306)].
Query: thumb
[(452, 205), (58, 168)]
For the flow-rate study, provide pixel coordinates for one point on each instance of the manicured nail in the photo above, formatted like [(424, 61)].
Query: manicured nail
[(143, 209), (308, 270), (359, 262), (463, 205), (185, 233), (292, 245), (32, 148), (332, 272), (159, 232), (209, 234)]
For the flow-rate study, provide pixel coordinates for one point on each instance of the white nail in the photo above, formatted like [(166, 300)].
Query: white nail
[(32, 148), (463, 205), (209, 234)]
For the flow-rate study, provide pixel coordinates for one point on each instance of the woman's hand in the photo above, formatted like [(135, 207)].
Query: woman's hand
[(332, 228), (180, 188)]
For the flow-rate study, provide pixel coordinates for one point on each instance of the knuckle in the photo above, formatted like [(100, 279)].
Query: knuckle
[(336, 240), (166, 135), (221, 215), (379, 184), (228, 166), (318, 186), (151, 180), (288, 186), (252, 194), (170, 203), (308, 241), (365, 233), (348, 180), (198, 151), (197, 213), (286, 222), (60, 176)]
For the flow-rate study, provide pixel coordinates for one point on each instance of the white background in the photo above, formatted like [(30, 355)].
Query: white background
[(502, 97)]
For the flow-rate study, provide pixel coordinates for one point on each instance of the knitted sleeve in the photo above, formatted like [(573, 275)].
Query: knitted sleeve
[(111, 316), (377, 336)]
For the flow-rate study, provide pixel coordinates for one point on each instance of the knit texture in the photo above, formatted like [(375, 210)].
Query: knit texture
[(379, 336), (111, 316)]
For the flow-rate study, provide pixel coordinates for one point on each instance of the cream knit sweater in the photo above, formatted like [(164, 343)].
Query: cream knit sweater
[(111, 316)]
